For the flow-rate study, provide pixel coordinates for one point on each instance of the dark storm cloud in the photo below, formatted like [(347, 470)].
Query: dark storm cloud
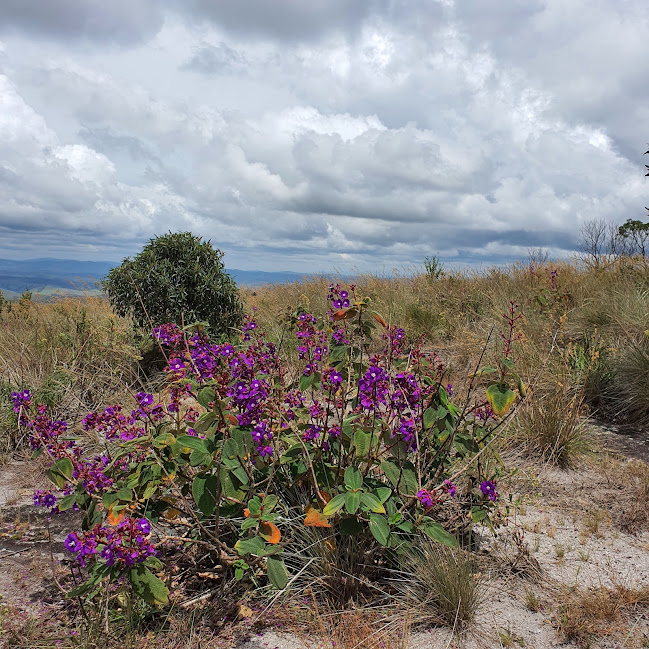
[(119, 21)]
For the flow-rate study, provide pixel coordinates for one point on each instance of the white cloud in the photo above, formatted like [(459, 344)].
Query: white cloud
[(376, 134)]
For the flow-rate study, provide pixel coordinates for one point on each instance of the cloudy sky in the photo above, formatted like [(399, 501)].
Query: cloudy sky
[(320, 134)]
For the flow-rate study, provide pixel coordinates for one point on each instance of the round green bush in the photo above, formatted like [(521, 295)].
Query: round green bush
[(178, 278)]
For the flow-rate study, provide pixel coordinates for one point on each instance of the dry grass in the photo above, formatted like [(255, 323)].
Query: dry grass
[(444, 583), (74, 355), (362, 628), (585, 615), (551, 427)]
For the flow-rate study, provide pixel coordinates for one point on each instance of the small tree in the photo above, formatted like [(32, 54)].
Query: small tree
[(177, 277)]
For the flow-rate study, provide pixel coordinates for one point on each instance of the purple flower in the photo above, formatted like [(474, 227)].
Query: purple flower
[(144, 526), (265, 451), (373, 387), (72, 542), (44, 499), (334, 432), (449, 488), (312, 433), (21, 400), (426, 498), (488, 488), (144, 399)]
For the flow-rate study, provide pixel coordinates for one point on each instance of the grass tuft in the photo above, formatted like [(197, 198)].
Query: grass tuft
[(445, 584)]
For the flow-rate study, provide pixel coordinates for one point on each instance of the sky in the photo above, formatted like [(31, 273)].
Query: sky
[(319, 135)]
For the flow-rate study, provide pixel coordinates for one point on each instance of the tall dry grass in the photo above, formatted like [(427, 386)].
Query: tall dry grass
[(74, 355)]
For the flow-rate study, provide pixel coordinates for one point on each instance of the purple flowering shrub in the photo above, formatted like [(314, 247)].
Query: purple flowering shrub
[(356, 432)]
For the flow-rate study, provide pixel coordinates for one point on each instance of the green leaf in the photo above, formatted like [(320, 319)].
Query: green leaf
[(352, 501), (195, 443), (108, 499), (292, 454), (205, 396), (334, 505), (164, 439), (430, 417), (372, 503), (67, 502), (353, 478), (521, 387), (391, 471), (500, 398), (61, 472), (409, 477), (204, 490), (196, 458), (147, 586), (249, 523), (230, 485), (277, 573), (65, 467), (380, 529), (478, 514), (252, 545), (154, 563), (306, 382), (383, 493), (204, 422), (436, 532), (82, 589), (254, 507), (270, 502), (508, 363), (241, 475), (362, 441), (406, 526), (125, 494), (231, 449)]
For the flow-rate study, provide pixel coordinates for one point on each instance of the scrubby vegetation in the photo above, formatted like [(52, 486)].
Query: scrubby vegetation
[(334, 441), (179, 278)]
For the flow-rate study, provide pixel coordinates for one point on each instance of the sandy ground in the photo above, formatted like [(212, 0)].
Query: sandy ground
[(576, 531)]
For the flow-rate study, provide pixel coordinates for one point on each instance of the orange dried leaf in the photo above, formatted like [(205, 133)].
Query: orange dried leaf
[(380, 320), (246, 512), (315, 518), (341, 314), (115, 518), (269, 532), (233, 420)]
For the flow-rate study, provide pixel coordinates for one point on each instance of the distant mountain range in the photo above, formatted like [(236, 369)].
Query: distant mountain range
[(49, 276)]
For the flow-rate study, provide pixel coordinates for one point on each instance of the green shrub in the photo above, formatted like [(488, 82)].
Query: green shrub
[(176, 278), (246, 447)]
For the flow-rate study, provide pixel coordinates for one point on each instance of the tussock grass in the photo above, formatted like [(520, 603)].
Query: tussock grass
[(444, 583), (551, 426)]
